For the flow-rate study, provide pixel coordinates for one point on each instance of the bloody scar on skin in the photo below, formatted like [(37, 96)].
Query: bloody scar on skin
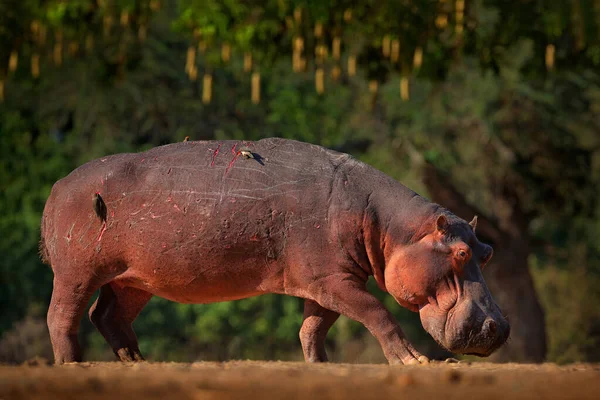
[(212, 164), (232, 161), (102, 231)]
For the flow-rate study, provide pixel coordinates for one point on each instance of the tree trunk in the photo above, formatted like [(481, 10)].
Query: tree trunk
[(507, 275)]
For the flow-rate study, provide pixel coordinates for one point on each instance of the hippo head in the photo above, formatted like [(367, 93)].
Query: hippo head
[(440, 275)]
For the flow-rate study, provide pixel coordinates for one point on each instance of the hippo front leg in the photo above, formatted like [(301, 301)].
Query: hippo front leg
[(348, 295)]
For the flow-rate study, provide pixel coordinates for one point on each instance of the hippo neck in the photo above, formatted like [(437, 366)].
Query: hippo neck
[(395, 216)]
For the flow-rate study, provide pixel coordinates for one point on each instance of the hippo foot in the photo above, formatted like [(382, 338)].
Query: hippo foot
[(128, 355), (422, 360), (419, 360)]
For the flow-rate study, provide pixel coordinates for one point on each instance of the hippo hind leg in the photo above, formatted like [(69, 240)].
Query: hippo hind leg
[(316, 324), (70, 296), (113, 313)]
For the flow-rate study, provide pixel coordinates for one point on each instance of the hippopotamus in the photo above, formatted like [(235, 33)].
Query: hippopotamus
[(210, 221)]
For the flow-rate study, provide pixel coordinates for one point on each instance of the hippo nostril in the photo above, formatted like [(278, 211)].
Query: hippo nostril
[(491, 325)]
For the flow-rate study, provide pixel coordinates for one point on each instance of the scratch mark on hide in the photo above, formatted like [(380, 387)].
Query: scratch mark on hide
[(233, 149), (212, 164), (232, 161), (102, 231), (68, 237)]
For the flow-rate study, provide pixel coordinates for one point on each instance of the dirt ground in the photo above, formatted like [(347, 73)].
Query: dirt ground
[(260, 380)]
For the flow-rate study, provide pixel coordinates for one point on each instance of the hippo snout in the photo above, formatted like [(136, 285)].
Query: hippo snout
[(479, 339)]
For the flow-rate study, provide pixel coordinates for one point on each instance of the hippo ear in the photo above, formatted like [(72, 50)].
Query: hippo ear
[(473, 223), (442, 224)]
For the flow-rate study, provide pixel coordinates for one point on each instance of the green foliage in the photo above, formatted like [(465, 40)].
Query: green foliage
[(483, 108)]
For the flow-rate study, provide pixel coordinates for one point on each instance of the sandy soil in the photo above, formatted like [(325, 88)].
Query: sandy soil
[(260, 380)]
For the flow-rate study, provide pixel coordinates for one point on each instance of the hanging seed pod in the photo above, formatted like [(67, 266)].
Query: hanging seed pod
[(35, 27), (255, 84), (395, 51), (348, 15), (207, 88), (13, 61), (190, 60), (299, 44), (336, 48), (202, 46), (320, 52), (247, 61), (404, 88), (193, 74), (58, 50), (418, 58), (336, 71), (89, 42), (298, 62), (351, 65), (318, 29), (298, 15), (124, 18), (441, 21), (550, 56), (73, 47), (225, 52), (460, 13), (107, 23), (320, 81), (142, 32), (35, 65), (373, 86), (385, 46)]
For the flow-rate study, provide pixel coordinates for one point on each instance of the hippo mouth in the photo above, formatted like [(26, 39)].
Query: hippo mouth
[(465, 325), (480, 340)]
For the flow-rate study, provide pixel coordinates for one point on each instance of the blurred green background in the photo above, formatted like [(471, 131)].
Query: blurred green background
[(488, 107)]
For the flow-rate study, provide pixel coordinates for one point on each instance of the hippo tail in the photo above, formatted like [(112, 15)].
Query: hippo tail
[(42, 249)]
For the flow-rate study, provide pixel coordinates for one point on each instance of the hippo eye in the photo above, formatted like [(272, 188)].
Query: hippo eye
[(462, 255)]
